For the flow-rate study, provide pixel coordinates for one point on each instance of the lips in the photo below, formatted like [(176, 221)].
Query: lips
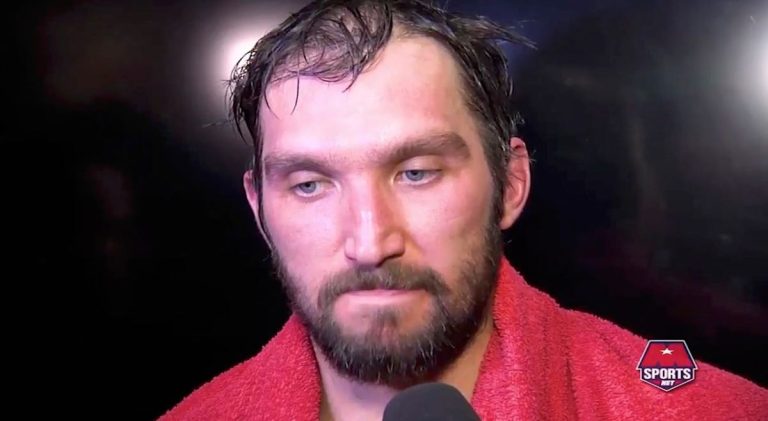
[(379, 292)]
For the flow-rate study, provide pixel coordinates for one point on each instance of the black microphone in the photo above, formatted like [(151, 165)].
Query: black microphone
[(429, 402)]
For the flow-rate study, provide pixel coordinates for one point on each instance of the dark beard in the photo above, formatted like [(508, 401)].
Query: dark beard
[(453, 320)]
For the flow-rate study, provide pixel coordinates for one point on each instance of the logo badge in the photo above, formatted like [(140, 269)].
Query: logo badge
[(667, 364)]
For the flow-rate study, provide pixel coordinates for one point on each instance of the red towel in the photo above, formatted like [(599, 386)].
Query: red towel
[(542, 363)]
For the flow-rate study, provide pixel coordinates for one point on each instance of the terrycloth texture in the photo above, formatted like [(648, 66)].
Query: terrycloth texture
[(542, 363)]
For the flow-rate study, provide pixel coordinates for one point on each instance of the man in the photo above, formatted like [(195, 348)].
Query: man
[(385, 167)]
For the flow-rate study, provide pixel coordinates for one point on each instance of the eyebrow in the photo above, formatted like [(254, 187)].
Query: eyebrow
[(444, 144)]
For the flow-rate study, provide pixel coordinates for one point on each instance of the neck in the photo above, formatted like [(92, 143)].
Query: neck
[(344, 399)]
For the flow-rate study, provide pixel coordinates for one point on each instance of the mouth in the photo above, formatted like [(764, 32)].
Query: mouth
[(382, 296), (380, 292)]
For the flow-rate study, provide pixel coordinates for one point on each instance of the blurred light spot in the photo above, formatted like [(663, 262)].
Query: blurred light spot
[(234, 38), (764, 65), (234, 49)]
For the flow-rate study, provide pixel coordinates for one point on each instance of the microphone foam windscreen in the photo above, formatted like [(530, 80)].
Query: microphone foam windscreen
[(427, 402)]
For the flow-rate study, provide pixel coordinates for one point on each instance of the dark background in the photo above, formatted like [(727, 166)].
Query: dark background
[(136, 271)]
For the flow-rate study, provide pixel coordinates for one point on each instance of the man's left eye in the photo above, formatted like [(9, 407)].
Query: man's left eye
[(418, 176)]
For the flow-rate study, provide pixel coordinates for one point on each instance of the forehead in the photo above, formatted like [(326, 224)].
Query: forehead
[(413, 87)]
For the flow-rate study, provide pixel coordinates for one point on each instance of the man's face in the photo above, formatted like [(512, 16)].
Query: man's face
[(378, 200)]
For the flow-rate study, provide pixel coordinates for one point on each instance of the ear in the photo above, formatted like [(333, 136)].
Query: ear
[(518, 183), (253, 200)]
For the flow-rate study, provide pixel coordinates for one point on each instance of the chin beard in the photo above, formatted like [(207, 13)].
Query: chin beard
[(383, 355)]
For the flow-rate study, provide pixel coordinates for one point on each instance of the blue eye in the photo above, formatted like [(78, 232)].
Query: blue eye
[(418, 177), (306, 188), (415, 175)]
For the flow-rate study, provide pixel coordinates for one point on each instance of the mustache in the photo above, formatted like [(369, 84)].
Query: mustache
[(389, 276)]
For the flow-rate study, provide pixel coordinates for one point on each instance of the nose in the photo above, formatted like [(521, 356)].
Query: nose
[(375, 232)]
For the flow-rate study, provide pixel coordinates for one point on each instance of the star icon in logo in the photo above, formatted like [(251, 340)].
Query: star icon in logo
[(666, 351)]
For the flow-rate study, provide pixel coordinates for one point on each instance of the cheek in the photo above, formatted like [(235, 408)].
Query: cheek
[(458, 208), (446, 225), (304, 237)]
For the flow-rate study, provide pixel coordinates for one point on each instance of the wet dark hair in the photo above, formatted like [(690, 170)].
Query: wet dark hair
[(335, 40)]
